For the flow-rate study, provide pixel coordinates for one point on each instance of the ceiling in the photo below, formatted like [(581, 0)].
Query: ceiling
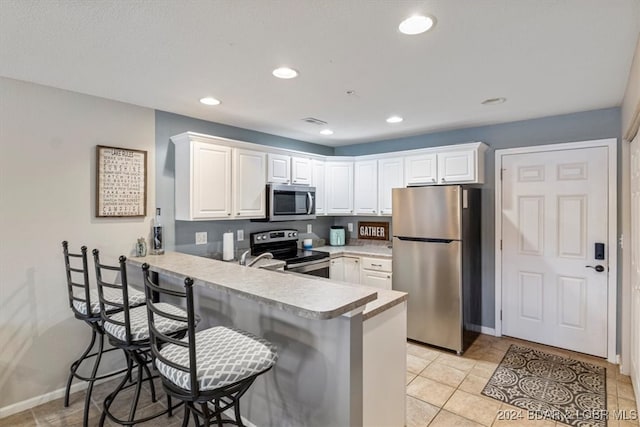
[(547, 57)]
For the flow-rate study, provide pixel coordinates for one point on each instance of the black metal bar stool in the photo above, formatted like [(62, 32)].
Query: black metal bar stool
[(85, 305), (128, 329), (211, 368)]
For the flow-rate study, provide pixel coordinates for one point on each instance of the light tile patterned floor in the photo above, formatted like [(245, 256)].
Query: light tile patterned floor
[(442, 390), (445, 390)]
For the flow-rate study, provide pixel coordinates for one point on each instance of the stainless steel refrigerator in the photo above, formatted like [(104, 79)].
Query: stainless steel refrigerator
[(437, 260)]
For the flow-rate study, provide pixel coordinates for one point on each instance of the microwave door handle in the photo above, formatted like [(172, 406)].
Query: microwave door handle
[(310, 198)]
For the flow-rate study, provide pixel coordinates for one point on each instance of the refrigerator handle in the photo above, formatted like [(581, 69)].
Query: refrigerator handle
[(422, 239)]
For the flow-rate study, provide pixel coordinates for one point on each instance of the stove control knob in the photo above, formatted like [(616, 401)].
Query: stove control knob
[(264, 237), (258, 237), (295, 234)]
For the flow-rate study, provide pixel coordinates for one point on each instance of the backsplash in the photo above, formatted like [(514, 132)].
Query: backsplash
[(185, 233)]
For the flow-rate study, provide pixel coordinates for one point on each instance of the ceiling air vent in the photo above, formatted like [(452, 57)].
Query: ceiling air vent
[(314, 121)]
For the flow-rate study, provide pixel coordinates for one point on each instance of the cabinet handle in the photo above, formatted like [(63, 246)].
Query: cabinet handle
[(444, 180), (388, 277), (433, 179), (356, 261), (377, 265), (238, 214), (373, 211), (295, 181)]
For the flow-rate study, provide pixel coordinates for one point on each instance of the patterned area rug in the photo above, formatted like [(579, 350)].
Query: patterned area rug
[(546, 386)]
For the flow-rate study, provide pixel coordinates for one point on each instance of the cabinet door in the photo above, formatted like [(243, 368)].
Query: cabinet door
[(210, 181), (365, 191), (351, 270), (336, 269), (318, 181), (376, 279), (279, 168), (249, 181), (421, 169), (339, 187), (300, 171), (456, 166), (390, 176)]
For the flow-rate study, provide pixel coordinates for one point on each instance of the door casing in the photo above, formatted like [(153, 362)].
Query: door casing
[(612, 241)]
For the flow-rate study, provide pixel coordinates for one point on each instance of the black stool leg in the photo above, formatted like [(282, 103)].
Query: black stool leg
[(185, 419), (141, 369), (94, 372), (207, 414), (109, 399), (75, 365)]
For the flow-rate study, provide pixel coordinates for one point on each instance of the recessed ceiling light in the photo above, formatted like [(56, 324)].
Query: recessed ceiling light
[(394, 119), (285, 73), (494, 101), (416, 24), (209, 101), (326, 132)]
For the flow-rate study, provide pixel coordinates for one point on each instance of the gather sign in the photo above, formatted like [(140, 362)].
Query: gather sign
[(373, 230)]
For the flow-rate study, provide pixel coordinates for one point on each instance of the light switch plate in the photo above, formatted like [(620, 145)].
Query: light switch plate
[(309, 228), (240, 235), (201, 238), (350, 227)]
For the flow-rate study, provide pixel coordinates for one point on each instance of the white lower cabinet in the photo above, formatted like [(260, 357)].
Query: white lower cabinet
[(376, 272), (345, 269)]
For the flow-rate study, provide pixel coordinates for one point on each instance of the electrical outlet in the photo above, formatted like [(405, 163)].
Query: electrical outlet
[(309, 228), (240, 235), (201, 238), (350, 227)]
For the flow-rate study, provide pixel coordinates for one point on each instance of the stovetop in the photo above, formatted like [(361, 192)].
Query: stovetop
[(283, 244)]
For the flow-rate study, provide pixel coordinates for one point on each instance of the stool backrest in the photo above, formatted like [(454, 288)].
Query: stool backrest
[(76, 267), (158, 339), (114, 301)]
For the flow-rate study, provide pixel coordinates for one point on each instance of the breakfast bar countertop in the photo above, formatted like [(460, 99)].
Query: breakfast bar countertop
[(303, 296)]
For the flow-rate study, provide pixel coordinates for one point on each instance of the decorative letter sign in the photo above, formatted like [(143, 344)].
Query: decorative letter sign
[(121, 182), (373, 230)]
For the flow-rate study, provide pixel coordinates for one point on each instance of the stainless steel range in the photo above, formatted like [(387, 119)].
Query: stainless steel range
[(283, 244)]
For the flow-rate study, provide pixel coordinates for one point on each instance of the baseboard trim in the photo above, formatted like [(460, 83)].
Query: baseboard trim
[(24, 405), (482, 329)]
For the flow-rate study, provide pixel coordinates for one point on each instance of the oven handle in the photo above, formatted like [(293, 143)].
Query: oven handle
[(309, 266), (310, 198)]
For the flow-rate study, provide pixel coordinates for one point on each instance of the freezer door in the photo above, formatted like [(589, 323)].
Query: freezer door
[(431, 273), (432, 212)]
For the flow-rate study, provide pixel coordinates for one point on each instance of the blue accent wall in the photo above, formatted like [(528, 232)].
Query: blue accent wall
[(584, 126)]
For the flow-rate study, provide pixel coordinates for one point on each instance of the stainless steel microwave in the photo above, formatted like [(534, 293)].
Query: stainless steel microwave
[(290, 202)]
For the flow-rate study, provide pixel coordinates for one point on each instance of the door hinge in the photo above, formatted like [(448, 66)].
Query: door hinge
[(500, 244), (501, 171), (500, 314), (621, 241)]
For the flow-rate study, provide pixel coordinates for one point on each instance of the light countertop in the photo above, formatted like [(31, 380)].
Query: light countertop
[(304, 296), (381, 251)]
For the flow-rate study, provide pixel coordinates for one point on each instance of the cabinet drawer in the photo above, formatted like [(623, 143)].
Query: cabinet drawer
[(376, 264)]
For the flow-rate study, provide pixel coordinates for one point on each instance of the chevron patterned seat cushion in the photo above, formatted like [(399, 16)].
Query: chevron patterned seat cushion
[(223, 355), (139, 322), (135, 298)]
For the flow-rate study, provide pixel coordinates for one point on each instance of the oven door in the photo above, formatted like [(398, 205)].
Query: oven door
[(319, 268)]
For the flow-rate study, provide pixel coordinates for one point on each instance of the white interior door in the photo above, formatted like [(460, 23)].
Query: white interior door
[(554, 210), (635, 261)]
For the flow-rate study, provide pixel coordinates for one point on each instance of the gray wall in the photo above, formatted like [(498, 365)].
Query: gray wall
[(180, 235), (583, 126)]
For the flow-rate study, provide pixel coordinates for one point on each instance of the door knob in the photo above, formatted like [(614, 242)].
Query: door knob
[(597, 268)]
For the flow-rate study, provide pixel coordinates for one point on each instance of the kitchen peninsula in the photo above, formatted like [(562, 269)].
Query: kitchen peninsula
[(329, 370)]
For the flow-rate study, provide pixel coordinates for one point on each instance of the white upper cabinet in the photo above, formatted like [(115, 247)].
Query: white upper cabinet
[(300, 170), (202, 181), (457, 166), (421, 169), (446, 166), (279, 170), (318, 181), (365, 188), (390, 176), (249, 172), (339, 188)]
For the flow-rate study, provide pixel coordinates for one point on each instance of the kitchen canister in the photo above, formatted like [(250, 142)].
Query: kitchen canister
[(307, 244), (337, 235)]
